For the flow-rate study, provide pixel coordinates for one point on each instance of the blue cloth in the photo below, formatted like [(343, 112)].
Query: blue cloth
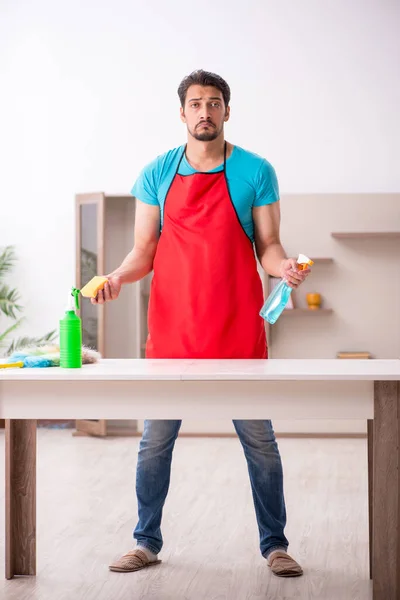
[(251, 179), (31, 361), (265, 472)]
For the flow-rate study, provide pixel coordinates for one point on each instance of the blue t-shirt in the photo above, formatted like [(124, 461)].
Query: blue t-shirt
[(251, 179)]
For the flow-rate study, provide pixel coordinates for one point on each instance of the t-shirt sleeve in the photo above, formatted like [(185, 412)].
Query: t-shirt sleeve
[(267, 188), (146, 185)]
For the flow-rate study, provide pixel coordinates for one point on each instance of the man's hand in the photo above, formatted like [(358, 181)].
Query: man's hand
[(290, 273), (110, 291)]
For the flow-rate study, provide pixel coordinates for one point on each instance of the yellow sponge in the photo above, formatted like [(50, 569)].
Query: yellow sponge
[(93, 286)]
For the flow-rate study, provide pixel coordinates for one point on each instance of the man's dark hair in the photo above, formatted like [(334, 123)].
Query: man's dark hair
[(204, 78)]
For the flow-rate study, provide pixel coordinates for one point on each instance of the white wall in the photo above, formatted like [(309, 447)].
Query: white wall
[(89, 96)]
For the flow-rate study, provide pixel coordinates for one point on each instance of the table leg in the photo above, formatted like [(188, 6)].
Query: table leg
[(20, 497), (370, 428), (386, 496)]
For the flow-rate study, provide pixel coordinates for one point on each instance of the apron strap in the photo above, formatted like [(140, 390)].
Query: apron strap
[(180, 160), (225, 158)]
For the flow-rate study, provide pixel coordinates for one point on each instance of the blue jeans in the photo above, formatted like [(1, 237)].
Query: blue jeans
[(264, 467)]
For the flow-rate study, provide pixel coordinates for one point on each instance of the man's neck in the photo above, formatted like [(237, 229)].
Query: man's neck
[(205, 156)]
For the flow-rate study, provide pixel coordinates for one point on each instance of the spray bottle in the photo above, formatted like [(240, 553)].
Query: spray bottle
[(71, 334), (278, 298)]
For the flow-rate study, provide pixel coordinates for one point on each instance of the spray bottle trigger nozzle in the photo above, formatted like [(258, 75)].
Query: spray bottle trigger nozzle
[(75, 293)]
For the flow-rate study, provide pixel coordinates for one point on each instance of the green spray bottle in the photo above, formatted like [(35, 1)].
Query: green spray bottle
[(71, 334)]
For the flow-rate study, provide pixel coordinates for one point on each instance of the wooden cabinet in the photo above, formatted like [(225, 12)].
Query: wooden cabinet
[(104, 236)]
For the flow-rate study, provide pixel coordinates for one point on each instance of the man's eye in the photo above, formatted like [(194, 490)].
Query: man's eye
[(194, 105), (217, 104)]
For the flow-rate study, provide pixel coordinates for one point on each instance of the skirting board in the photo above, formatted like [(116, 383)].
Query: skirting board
[(129, 433), (317, 428), (284, 427)]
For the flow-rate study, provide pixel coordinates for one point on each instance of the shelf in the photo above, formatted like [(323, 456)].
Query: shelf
[(323, 260), (366, 234), (307, 311)]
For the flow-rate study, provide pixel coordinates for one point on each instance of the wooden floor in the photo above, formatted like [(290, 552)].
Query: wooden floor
[(87, 510)]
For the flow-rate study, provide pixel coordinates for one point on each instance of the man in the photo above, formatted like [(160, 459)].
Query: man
[(200, 208)]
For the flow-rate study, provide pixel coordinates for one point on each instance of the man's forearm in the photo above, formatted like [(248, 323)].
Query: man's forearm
[(136, 265), (271, 259)]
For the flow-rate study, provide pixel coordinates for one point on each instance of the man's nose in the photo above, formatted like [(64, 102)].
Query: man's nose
[(205, 113)]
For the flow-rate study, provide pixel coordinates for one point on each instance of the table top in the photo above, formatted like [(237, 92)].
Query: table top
[(216, 370)]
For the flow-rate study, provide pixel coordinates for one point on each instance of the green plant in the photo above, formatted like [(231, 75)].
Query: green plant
[(11, 308)]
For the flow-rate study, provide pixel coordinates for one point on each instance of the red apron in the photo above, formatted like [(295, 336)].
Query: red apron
[(206, 293)]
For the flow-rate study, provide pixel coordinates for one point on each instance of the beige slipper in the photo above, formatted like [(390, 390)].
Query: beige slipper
[(284, 565), (134, 560)]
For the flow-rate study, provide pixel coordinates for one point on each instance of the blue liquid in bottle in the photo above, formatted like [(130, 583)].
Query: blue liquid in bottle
[(276, 302)]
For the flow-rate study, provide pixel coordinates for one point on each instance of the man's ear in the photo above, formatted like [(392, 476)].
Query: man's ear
[(183, 118), (227, 113)]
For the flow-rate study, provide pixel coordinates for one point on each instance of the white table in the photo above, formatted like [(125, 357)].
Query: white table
[(208, 389)]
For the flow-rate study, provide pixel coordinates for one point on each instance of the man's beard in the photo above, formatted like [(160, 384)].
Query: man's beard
[(205, 136)]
